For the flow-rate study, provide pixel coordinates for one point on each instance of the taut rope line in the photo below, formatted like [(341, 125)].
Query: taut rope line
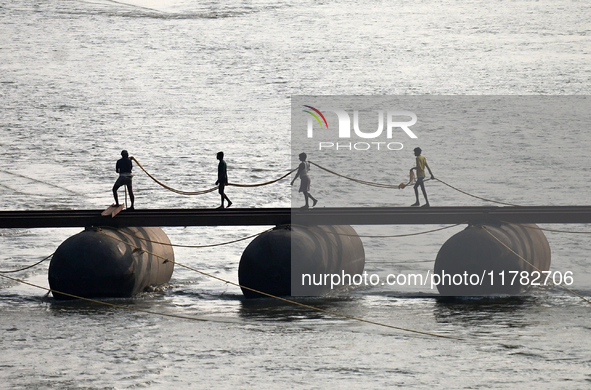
[(252, 236), (102, 302), (268, 230), (411, 180), (284, 299), (475, 196), (533, 266), (389, 236), (191, 246), (319, 309), (207, 320), (367, 183), (30, 266), (548, 230)]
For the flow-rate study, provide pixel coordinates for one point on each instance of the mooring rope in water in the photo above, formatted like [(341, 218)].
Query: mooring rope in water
[(284, 299), (403, 262), (50, 290), (343, 234), (210, 189), (40, 181), (30, 266), (319, 309), (533, 266)]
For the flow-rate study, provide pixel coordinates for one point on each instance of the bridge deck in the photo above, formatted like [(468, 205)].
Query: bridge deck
[(279, 216)]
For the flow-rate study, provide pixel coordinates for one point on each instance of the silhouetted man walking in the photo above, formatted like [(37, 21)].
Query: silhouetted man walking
[(222, 179)]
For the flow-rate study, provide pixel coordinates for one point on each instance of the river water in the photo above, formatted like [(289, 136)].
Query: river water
[(176, 81)]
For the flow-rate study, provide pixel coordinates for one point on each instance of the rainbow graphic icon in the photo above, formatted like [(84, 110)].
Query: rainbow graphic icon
[(316, 116)]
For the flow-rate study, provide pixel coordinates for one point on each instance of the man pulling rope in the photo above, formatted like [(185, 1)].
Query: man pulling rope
[(123, 168), (420, 168)]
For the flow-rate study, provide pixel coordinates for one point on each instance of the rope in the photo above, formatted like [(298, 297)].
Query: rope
[(317, 308), (548, 230), (170, 188), (265, 183), (288, 300), (102, 302), (40, 181), (474, 196), (390, 236), (229, 282), (533, 266), (268, 230), (364, 182), (30, 266), (210, 189), (368, 183), (410, 181), (190, 246), (403, 262)]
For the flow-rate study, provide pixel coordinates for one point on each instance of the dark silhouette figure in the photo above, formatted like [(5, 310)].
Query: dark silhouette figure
[(420, 167), (302, 173), (123, 168), (222, 179)]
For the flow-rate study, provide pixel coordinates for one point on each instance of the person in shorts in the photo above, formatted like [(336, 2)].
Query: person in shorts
[(420, 168), (305, 180)]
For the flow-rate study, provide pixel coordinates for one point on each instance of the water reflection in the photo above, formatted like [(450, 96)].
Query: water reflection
[(281, 311), (504, 311)]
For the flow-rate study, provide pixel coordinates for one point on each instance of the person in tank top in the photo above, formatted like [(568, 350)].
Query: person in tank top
[(305, 180), (421, 164)]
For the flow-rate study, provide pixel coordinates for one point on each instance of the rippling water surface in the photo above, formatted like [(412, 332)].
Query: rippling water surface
[(174, 82)]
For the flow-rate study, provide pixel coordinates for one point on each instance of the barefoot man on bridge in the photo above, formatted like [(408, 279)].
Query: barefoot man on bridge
[(420, 167)]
